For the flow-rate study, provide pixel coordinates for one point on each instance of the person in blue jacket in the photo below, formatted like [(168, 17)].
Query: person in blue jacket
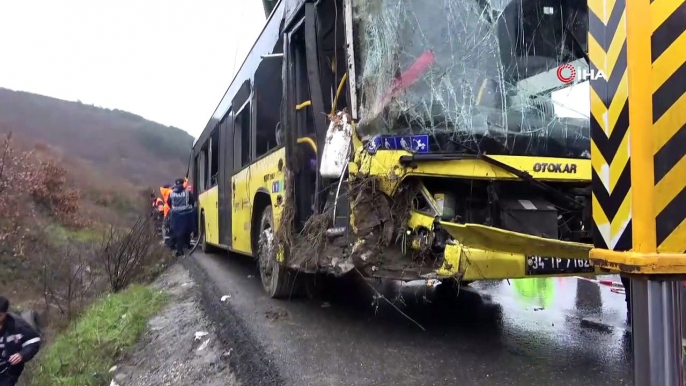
[(181, 203), (19, 343)]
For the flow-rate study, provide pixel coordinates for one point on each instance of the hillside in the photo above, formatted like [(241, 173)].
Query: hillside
[(100, 145)]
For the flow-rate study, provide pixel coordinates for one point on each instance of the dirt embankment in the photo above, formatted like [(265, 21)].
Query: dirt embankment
[(181, 345)]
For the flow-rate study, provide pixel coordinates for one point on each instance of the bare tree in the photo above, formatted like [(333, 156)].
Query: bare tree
[(69, 280), (125, 254)]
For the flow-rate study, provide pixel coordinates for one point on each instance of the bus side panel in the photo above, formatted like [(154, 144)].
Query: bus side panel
[(209, 205), (266, 177), (240, 208), (263, 175)]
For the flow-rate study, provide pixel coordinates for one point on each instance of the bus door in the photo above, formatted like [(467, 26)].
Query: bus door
[(314, 66), (301, 115), (242, 156)]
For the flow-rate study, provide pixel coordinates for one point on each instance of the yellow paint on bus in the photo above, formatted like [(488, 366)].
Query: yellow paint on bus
[(209, 205), (262, 177)]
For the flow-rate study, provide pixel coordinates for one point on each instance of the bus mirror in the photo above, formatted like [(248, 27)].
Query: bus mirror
[(336, 146)]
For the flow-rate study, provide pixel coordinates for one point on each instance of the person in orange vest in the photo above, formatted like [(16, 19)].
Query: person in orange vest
[(157, 211), (156, 202), (165, 191)]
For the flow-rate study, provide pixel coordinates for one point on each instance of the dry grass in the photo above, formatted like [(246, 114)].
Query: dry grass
[(304, 247), (286, 232), (311, 241)]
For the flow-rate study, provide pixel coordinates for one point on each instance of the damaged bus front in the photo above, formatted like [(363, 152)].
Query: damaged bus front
[(405, 139), (466, 143)]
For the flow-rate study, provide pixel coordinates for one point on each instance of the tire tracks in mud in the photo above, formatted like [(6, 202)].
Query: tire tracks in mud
[(248, 360)]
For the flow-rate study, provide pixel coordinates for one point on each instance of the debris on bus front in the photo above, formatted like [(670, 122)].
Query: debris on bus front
[(337, 145)]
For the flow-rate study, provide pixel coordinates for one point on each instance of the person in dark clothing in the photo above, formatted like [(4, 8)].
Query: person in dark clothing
[(19, 343), (181, 203)]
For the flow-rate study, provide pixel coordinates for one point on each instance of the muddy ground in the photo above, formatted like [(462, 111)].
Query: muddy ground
[(181, 345)]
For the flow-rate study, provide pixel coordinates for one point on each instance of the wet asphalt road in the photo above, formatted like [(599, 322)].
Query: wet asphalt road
[(526, 332)]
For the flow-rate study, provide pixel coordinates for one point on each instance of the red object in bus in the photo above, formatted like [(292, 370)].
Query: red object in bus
[(414, 72), (409, 76)]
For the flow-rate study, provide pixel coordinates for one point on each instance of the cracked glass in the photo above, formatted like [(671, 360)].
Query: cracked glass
[(476, 76)]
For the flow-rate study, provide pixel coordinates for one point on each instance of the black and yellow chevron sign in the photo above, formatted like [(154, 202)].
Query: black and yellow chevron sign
[(668, 55), (638, 121), (611, 178)]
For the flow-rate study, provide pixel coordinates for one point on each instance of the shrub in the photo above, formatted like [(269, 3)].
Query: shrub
[(127, 255), (18, 177), (52, 193)]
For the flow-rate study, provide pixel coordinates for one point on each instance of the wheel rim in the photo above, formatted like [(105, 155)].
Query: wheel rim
[(266, 259)]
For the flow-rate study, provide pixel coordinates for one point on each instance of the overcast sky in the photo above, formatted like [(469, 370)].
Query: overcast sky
[(169, 61), (166, 60)]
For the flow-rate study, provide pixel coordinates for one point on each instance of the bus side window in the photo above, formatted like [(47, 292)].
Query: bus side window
[(268, 101), (214, 157), (242, 133), (241, 104), (202, 166)]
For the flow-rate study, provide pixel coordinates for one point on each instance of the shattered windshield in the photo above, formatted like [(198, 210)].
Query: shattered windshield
[(498, 76)]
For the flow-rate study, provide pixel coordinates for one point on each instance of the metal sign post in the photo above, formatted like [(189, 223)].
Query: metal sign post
[(657, 332), (638, 134)]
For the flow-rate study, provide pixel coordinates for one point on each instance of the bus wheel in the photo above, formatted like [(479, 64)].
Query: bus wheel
[(275, 277)]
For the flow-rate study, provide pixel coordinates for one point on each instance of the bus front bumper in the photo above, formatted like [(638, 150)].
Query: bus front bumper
[(486, 253)]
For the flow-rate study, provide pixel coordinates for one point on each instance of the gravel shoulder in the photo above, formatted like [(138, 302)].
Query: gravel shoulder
[(181, 346)]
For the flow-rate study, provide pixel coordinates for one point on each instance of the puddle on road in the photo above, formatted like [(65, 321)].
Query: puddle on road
[(551, 296), (539, 311)]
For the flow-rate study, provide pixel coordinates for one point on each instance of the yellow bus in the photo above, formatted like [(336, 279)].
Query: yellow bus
[(404, 139)]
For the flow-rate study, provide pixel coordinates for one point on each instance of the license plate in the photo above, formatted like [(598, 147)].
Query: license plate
[(539, 265)]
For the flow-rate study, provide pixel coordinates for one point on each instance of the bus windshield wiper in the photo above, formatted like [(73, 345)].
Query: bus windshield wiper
[(525, 176), (521, 174)]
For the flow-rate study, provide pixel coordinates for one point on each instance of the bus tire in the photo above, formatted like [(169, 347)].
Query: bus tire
[(276, 279)]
